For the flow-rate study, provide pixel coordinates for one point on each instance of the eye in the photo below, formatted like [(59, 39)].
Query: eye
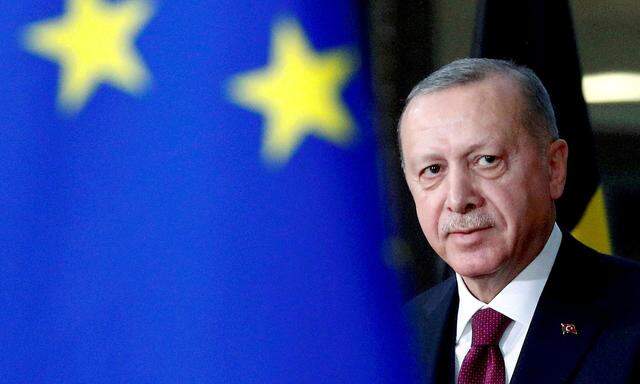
[(432, 170), (431, 174), (487, 160)]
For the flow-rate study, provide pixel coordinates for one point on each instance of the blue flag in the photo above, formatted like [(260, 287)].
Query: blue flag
[(189, 194)]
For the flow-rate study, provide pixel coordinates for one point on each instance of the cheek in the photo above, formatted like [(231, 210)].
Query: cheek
[(505, 201), (514, 203), (428, 210)]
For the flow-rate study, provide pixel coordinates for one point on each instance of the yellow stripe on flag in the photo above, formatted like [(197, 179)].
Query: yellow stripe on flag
[(593, 229)]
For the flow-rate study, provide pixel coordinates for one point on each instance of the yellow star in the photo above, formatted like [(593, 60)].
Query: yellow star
[(93, 43), (298, 93)]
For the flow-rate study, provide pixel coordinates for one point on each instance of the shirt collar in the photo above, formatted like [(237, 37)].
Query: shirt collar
[(518, 300)]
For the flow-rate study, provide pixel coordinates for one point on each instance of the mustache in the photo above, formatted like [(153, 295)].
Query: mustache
[(468, 222)]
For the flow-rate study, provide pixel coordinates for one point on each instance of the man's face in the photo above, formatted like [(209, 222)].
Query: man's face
[(483, 187)]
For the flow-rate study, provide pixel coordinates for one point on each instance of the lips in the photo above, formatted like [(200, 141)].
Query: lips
[(468, 237), (467, 231)]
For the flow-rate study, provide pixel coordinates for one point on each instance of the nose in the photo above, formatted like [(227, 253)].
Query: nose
[(462, 196)]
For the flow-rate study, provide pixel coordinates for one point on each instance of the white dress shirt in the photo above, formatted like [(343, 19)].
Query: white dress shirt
[(518, 301)]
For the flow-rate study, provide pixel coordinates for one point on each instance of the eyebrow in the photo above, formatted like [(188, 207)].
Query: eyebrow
[(475, 147)]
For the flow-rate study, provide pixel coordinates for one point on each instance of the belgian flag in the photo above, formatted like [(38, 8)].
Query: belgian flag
[(539, 34)]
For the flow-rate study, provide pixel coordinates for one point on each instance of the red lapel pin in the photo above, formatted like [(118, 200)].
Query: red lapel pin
[(569, 328)]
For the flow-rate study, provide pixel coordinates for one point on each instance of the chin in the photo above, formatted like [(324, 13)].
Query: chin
[(474, 264)]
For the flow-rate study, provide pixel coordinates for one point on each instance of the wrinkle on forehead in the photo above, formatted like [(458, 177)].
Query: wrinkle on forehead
[(495, 102), (435, 123)]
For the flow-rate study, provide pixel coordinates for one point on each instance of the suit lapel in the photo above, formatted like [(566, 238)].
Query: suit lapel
[(548, 354), (434, 322)]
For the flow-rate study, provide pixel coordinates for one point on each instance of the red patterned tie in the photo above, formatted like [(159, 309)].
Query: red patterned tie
[(484, 364)]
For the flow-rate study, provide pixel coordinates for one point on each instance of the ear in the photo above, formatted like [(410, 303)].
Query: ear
[(557, 155)]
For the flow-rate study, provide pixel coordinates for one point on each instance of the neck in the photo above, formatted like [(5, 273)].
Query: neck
[(486, 287)]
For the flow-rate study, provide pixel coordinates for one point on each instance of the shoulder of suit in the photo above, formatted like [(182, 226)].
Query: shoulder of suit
[(614, 271), (430, 299), (613, 280)]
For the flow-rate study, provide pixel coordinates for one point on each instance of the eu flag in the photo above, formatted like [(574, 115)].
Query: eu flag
[(189, 194)]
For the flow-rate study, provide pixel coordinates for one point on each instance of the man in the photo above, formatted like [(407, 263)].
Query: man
[(528, 303)]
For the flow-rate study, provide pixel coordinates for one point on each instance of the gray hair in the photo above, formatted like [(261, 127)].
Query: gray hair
[(537, 117)]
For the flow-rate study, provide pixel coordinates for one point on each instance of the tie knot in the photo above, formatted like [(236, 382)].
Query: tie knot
[(487, 327)]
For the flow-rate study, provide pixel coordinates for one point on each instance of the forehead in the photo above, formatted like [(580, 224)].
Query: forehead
[(485, 110)]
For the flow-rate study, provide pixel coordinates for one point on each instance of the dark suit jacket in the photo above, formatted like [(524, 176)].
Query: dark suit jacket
[(599, 294)]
